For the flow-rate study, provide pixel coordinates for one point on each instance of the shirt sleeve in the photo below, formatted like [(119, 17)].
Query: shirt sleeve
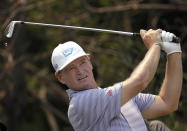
[(91, 106), (143, 101)]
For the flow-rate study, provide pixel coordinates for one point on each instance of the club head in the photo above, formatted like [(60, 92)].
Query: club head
[(10, 28)]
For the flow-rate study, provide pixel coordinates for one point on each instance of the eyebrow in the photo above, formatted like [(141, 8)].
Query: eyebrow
[(66, 68), (83, 59)]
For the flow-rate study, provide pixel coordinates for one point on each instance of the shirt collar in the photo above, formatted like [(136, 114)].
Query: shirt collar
[(71, 92)]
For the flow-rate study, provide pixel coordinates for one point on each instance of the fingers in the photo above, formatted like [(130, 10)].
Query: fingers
[(159, 30), (163, 36), (167, 36), (150, 36), (145, 33), (142, 32)]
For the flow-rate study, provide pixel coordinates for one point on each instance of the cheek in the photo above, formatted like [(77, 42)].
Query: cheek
[(69, 78), (88, 67), (90, 73)]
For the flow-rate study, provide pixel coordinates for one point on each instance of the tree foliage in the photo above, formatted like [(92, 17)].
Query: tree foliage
[(32, 99)]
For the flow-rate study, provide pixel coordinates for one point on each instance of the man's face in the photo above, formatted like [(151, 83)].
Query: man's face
[(78, 74)]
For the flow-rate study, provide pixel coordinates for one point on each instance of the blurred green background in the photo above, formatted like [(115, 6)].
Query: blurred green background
[(31, 99)]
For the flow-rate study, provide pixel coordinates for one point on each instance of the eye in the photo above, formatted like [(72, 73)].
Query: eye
[(82, 62), (71, 68)]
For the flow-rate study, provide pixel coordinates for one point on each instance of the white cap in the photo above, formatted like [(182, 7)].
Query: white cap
[(65, 53)]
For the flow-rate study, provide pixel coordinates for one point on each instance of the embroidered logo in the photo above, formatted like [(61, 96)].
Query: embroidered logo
[(56, 66), (67, 52), (110, 92)]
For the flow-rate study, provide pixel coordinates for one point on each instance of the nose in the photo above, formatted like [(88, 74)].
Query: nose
[(79, 70)]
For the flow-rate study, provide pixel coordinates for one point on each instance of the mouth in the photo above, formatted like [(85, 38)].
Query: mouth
[(82, 78)]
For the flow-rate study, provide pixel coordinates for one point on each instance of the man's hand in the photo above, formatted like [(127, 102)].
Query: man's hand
[(168, 46), (150, 37)]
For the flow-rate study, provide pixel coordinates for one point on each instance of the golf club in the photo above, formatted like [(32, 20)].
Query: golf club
[(10, 29)]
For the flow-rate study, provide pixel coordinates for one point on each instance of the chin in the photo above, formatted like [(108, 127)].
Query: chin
[(85, 87)]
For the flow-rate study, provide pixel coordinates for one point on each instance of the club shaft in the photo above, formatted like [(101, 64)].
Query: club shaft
[(12, 24), (82, 28)]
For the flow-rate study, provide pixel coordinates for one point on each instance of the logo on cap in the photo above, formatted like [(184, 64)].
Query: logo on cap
[(56, 66), (67, 52)]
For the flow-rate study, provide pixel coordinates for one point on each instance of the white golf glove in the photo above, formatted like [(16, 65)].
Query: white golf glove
[(167, 45)]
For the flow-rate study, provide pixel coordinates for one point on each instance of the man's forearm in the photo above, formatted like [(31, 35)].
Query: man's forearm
[(171, 88), (144, 72), (147, 68), (142, 75)]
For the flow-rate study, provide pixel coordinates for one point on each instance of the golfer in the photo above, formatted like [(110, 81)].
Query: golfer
[(122, 106)]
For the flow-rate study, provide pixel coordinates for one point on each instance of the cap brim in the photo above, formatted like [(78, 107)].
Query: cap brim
[(68, 62)]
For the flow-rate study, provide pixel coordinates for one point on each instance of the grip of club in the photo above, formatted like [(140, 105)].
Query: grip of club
[(175, 38)]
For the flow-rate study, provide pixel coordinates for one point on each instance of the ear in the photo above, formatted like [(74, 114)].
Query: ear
[(59, 77)]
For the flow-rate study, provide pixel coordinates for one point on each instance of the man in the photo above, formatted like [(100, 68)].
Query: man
[(121, 106)]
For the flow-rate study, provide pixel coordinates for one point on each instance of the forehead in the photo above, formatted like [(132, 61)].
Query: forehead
[(76, 61)]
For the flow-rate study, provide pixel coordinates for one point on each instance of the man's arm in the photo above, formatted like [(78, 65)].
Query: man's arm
[(145, 71), (168, 98)]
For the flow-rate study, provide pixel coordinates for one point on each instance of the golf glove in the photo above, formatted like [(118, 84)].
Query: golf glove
[(167, 45)]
